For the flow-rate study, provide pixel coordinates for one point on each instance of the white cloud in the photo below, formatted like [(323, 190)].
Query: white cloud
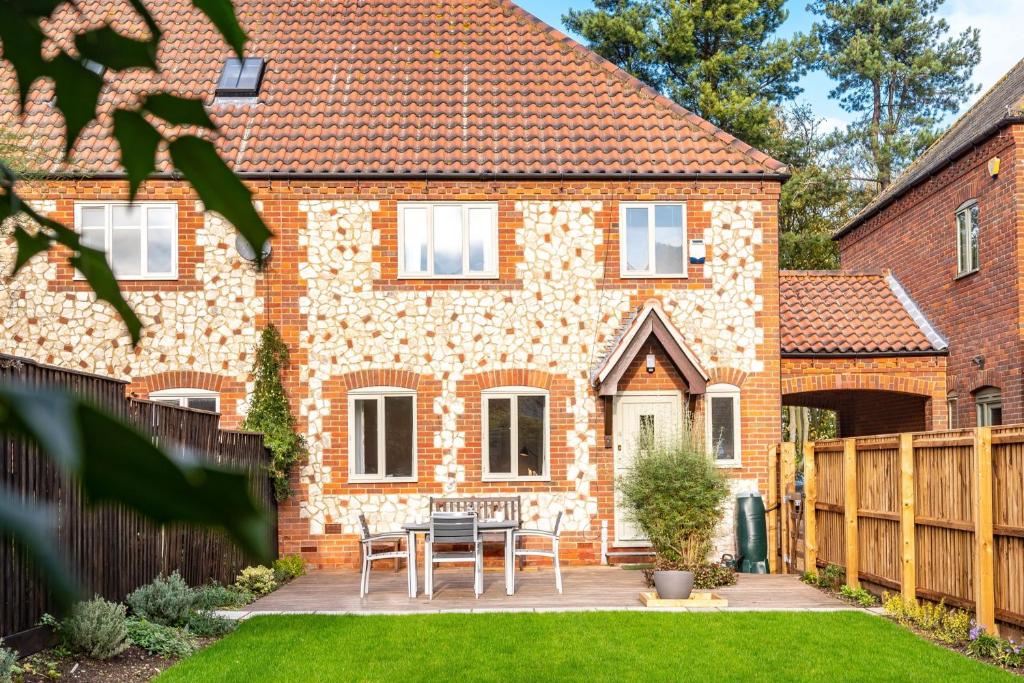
[(1000, 23)]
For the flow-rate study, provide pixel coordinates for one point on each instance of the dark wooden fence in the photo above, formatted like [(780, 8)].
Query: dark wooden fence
[(115, 551)]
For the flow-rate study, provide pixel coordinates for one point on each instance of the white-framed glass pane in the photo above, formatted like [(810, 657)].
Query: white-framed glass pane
[(95, 238), (160, 250), (448, 240), (499, 435), (668, 250), (126, 216), (92, 217), (126, 251), (723, 427), (414, 240), (637, 244), (202, 403), (399, 433), (961, 242), (160, 217), (364, 422), (973, 214), (530, 433), (481, 239)]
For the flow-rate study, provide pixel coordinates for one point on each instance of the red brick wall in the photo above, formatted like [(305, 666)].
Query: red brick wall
[(282, 289), (980, 314)]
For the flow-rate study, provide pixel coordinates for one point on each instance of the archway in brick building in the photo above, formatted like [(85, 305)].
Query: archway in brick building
[(865, 412)]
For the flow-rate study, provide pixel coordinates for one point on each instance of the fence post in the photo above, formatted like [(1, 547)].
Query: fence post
[(788, 477), (908, 520), (810, 515), (773, 512), (850, 511), (984, 581)]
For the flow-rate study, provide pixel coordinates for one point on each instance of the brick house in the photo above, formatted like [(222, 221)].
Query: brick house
[(951, 229), (497, 259)]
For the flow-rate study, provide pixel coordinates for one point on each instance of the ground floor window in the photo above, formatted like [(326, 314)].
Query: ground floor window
[(198, 399), (515, 433), (382, 434), (722, 407), (989, 403), (951, 405)]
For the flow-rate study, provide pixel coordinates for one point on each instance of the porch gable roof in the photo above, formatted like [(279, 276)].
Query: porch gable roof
[(650, 321)]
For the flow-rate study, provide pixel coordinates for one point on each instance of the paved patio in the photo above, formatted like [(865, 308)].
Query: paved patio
[(585, 588)]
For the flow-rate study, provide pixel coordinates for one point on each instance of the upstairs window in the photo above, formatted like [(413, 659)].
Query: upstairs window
[(989, 404), (967, 238), (723, 423), (241, 77), (197, 399), (448, 240), (515, 421), (382, 434), (653, 240), (140, 240)]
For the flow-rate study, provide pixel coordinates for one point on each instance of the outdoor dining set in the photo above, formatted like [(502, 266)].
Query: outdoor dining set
[(455, 532)]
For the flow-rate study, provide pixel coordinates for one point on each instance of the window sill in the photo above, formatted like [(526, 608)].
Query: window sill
[(498, 478), (653, 276), (962, 276), (358, 479), (728, 464), (424, 276), (138, 278)]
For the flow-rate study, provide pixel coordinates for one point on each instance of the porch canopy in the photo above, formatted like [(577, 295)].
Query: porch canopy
[(651, 321)]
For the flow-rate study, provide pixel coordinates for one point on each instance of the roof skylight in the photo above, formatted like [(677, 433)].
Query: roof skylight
[(241, 77)]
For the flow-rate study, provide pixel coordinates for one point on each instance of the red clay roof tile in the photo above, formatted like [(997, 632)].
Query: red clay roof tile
[(836, 313), (404, 87)]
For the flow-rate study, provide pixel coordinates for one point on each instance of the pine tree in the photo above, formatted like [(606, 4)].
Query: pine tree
[(893, 64), (717, 58), (269, 412)]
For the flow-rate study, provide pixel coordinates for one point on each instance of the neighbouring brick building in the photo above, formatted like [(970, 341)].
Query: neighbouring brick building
[(497, 260), (951, 229)]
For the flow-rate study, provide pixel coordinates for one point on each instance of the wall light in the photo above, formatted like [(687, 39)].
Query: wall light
[(650, 364)]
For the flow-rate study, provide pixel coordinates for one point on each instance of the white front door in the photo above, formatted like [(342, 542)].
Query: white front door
[(657, 415)]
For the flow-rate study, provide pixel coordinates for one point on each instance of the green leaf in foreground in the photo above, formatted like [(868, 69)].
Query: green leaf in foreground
[(180, 111), (138, 141), (106, 46), (222, 14), (116, 463), (33, 528), (219, 188)]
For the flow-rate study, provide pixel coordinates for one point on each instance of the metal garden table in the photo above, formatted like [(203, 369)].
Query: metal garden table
[(504, 526)]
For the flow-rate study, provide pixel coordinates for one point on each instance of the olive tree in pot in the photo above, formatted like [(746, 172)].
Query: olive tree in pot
[(674, 493)]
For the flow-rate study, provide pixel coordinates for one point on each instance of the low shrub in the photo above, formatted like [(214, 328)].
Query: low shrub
[(215, 596), (96, 628), (8, 661), (160, 640), (1010, 654), (257, 580), (208, 625), (858, 595), (832, 576), (949, 626), (810, 578), (288, 568), (981, 644), (167, 600), (955, 628), (713, 576)]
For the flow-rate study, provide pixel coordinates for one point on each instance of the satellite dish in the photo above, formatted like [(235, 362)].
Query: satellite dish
[(246, 251)]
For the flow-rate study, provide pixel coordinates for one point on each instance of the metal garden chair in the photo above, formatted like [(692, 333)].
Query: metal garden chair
[(537, 552), (454, 528), (392, 538)]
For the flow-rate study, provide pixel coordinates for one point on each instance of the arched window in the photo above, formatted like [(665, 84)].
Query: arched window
[(722, 410), (515, 433), (952, 400), (382, 434), (199, 399), (989, 404)]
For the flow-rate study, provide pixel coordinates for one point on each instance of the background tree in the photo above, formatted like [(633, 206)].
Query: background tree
[(895, 66), (717, 58), (269, 412)]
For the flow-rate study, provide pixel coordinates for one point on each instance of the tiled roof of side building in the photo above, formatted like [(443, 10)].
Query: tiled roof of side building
[(1001, 105), (401, 87), (833, 313)]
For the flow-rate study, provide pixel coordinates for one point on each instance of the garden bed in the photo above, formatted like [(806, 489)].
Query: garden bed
[(134, 665)]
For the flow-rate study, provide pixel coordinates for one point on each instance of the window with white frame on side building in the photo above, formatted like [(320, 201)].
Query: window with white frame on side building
[(197, 399), (382, 434), (989, 406), (967, 238), (140, 240), (446, 240), (515, 433), (722, 416), (652, 239)]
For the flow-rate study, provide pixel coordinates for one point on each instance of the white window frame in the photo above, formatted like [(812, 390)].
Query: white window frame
[(723, 391), (952, 403), (144, 245), (965, 209), (491, 274), (183, 394), (984, 401), (380, 393), (651, 264), (513, 393)]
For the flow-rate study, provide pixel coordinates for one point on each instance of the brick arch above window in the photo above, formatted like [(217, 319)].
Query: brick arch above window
[(727, 375), (359, 379), (513, 378), (179, 379)]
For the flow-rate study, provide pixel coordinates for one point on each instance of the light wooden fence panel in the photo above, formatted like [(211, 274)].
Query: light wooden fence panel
[(966, 543)]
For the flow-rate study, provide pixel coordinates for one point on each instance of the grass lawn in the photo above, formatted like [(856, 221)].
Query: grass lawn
[(581, 646)]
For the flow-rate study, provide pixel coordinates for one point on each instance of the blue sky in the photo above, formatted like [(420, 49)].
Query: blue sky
[(998, 20)]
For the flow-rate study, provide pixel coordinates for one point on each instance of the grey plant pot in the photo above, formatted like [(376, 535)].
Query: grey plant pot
[(673, 585)]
